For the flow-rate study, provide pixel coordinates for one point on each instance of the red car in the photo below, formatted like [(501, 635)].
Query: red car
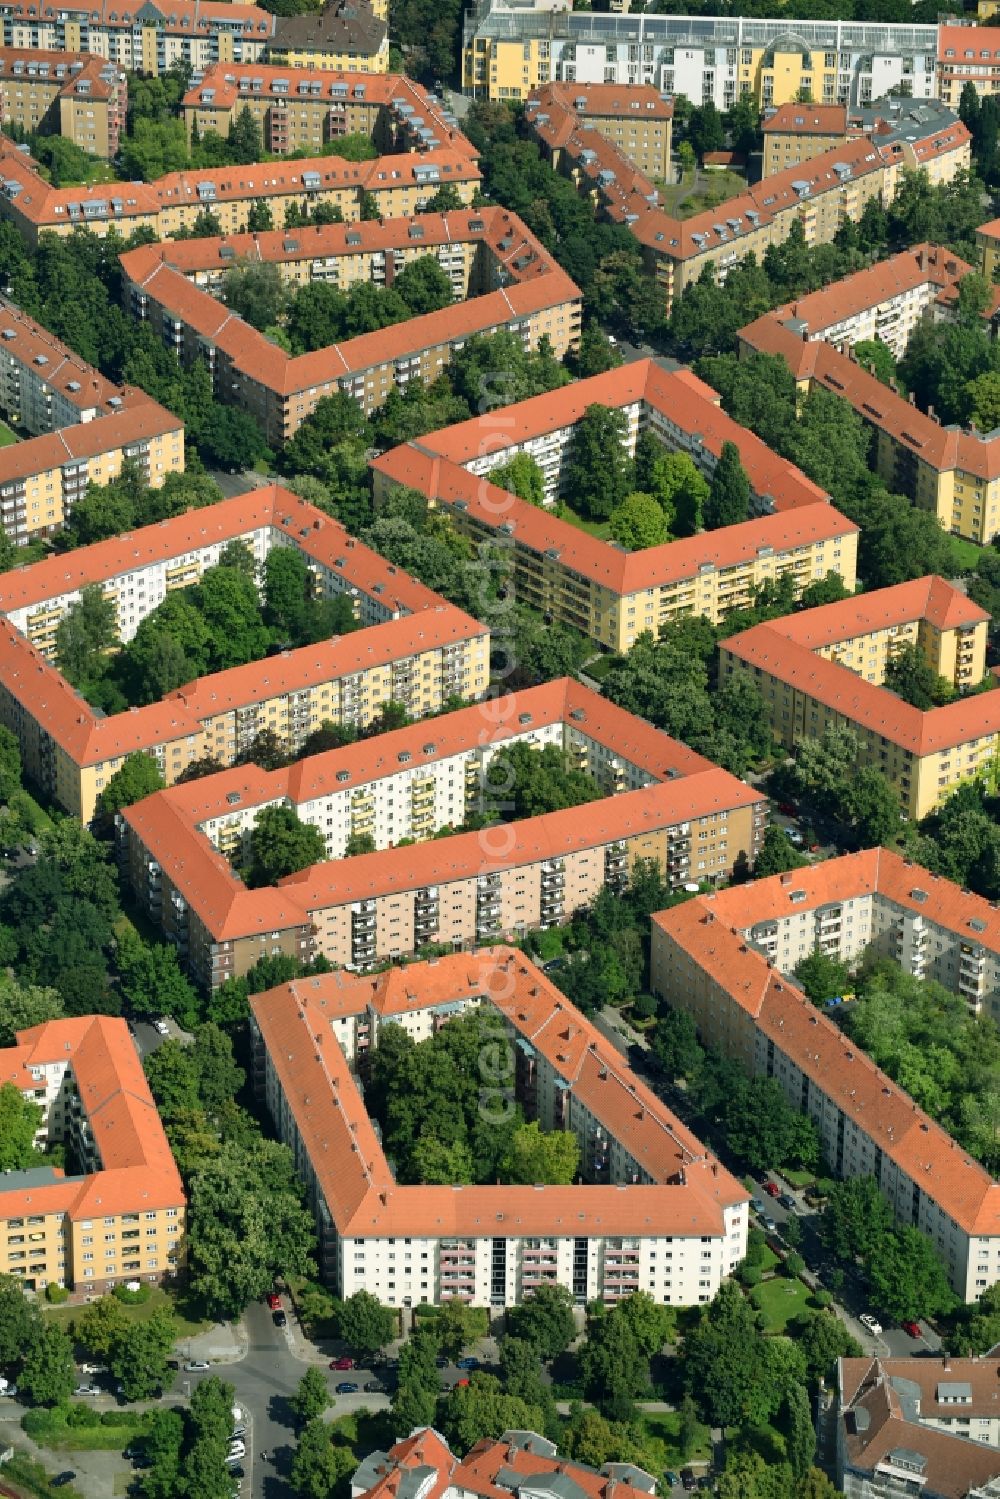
[(274, 1301), (772, 1189), (913, 1328), (342, 1363)]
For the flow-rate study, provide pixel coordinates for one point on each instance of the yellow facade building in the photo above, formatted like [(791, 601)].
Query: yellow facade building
[(826, 668)]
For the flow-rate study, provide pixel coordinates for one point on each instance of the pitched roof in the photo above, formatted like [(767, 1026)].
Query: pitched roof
[(137, 1169), (341, 26), (806, 119), (711, 930), (923, 265), (787, 648), (689, 1188)]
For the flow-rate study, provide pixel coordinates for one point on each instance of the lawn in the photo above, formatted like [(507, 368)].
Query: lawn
[(768, 1260), (662, 1429), (780, 1300), (681, 200), (111, 1432), (7, 436), (965, 555), (798, 1179), (598, 528), (189, 1322), (599, 667), (31, 1478)]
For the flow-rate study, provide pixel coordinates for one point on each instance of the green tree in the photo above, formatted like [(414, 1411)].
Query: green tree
[(230, 439), (522, 781), (482, 1409), (876, 357), (247, 1225), (910, 675), (545, 1320), (638, 522), (23, 1006), (676, 1044), (102, 1326), (138, 776), (821, 976), (47, 1372), (535, 1156), (152, 980), (312, 1396), (777, 853), (19, 1121), (688, 1426), (872, 806), (856, 1218), (424, 286), (720, 1358), (521, 475), (140, 1359), (245, 141), (85, 633), (729, 493), (801, 1439), (320, 1464), (651, 1323), (455, 1327), (613, 1369), (705, 130), (364, 1324), (255, 290), (281, 844), (359, 843), (597, 472), (906, 1276), (20, 1321), (824, 1339)]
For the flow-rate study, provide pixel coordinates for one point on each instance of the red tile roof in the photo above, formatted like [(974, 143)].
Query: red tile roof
[(138, 1172), (535, 282), (923, 265), (710, 930), (786, 650), (806, 119), (689, 1191)]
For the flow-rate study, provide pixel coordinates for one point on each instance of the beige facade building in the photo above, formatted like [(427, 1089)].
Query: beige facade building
[(611, 595), (308, 108), (636, 120), (952, 473), (724, 958), (501, 278), (826, 668), (654, 1211), (662, 802), (79, 97), (412, 648), (143, 36), (348, 35), (121, 1218)]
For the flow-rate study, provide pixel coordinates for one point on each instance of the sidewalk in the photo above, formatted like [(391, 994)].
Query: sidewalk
[(225, 1343)]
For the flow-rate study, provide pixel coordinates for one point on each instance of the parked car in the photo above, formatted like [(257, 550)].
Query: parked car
[(468, 1363), (232, 1459), (87, 1389), (688, 1480), (236, 1472), (195, 1364), (873, 1325), (274, 1301), (62, 1479), (279, 1319), (93, 1369), (795, 837), (770, 1226), (913, 1328), (788, 1202), (346, 1388), (161, 1027), (342, 1363), (757, 1203), (237, 1449), (374, 1387), (672, 1479), (772, 1189), (238, 1431)]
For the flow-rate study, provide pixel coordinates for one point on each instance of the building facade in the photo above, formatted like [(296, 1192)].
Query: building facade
[(661, 802), (345, 35), (635, 119), (501, 277), (653, 1211), (508, 50), (64, 93), (611, 595), (120, 1217), (411, 648), (826, 668), (725, 959)]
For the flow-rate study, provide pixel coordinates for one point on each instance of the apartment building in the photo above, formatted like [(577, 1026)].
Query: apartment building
[(146, 37), (826, 668), (120, 1217), (634, 118), (718, 957), (794, 133), (988, 245), (967, 53), (308, 108), (927, 1423), (501, 277), (611, 595), (82, 98), (662, 802), (885, 301), (953, 474), (508, 50), (399, 185), (41, 480), (819, 195), (412, 648), (518, 1460), (346, 35), (653, 1212)]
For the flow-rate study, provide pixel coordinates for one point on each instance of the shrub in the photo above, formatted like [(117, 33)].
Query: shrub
[(794, 1265), (132, 1298), (82, 1415), (748, 1275), (55, 1293)]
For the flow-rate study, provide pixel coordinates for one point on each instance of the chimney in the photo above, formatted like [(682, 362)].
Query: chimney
[(913, 399), (923, 258), (946, 1361)]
